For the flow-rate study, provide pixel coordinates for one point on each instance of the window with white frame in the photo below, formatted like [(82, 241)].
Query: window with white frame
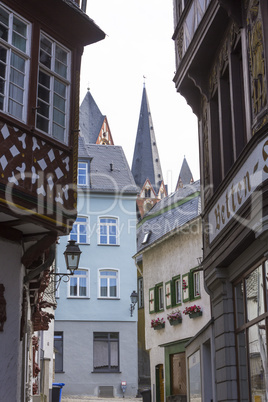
[(80, 230), (160, 296), (14, 63), (196, 282), (53, 88), (177, 289), (108, 283), (78, 284), (82, 178), (108, 231)]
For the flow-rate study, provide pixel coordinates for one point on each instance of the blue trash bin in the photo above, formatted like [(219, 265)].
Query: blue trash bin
[(57, 391)]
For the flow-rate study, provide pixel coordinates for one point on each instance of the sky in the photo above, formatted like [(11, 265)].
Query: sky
[(139, 44)]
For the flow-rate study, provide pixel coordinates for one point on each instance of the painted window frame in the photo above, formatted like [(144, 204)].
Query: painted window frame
[(78, 225), (53, 89), (86, 170), (108, 225), (112, 338), (15, 76), (117, 277), (79, 276)]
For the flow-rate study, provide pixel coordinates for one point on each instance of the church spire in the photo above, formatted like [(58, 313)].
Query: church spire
[(94, 125), (146, 168), (185, 176), (146, 162)]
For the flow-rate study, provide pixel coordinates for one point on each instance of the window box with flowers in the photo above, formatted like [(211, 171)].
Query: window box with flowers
[(193, 311), (158, 323), (174, 317)]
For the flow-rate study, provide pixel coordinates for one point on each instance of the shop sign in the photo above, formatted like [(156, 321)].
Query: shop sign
[(244, 183)]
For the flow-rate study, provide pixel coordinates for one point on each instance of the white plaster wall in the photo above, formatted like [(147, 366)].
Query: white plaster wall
[(11, 276), (174, 256)]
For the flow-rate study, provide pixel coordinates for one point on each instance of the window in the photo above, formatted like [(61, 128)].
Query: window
[(251, 332), (140, 293), (177, 290), (108, 230), (108, 283), (196, 283), (191, 285), (80, 231), (106, 351), (194, 375), (14, 63), (159, 293), (78, 284), (147, 192), (82, 179), (58, 348), (53, 89)]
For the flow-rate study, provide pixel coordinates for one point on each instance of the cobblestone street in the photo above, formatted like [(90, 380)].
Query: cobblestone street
[(94, 398)]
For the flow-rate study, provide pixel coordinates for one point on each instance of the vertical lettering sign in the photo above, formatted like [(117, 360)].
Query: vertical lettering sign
[(245, 182)]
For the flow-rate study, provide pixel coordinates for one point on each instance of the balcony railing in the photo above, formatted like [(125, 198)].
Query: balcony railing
[(188, 15)]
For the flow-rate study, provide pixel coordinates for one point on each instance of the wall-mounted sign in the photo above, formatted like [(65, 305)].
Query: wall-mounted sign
[(241, 187)]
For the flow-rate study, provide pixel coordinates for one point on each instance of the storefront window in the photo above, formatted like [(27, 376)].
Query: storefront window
[(195, 377), (251, 334), (254, 290)]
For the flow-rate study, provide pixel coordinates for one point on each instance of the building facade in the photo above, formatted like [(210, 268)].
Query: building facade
[(221, 70), (39, 112), (95, 333), (169, 247)]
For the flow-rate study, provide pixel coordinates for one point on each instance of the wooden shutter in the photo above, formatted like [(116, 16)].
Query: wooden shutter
[(168, 294), (151, 300)]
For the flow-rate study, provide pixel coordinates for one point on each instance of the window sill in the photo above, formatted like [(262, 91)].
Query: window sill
[(108, 298), (106, 372), (110, 245), (78, 297), (59, 372)]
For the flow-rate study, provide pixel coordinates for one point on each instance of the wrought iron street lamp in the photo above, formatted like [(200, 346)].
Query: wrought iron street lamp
[(134, 299)]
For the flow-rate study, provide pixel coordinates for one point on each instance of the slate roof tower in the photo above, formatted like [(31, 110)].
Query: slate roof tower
[(94, 125), (146, 167), (185, 176)]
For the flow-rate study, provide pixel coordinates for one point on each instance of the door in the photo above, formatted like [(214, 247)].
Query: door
[(178, 384), (159, 380)]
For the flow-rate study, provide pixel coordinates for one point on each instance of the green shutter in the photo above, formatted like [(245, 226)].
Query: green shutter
[(168, 294), (186, 287), (151, 300)]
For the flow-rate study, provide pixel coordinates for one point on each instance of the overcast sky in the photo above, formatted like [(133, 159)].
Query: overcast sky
[(139, 43)]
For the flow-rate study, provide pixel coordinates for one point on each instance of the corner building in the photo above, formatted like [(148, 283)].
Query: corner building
[(221, 70), (41, 45)]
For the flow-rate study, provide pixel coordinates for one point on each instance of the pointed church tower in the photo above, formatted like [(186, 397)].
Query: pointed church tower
[(185, 176), (94, 125), (146, 168)]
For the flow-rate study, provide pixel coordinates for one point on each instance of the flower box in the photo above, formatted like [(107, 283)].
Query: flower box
[(194, 315), (158, 323), (159, 326), (176, 322)]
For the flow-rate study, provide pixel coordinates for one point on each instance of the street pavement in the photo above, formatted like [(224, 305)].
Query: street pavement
[(96, 399)]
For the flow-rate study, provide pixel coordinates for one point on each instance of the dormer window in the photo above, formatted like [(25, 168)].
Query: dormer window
[(14, 63), (53, 89), (147, 193), (82, 179)]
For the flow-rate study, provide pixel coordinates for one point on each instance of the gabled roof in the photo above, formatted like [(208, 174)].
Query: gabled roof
[(146, 162), (109, 170), (169, 215), (91, 120), (185, 176)]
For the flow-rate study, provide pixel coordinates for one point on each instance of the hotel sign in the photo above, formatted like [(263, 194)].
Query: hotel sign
[(244, 183)]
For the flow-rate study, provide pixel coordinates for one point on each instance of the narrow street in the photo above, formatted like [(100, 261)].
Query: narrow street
[(94, 398)]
